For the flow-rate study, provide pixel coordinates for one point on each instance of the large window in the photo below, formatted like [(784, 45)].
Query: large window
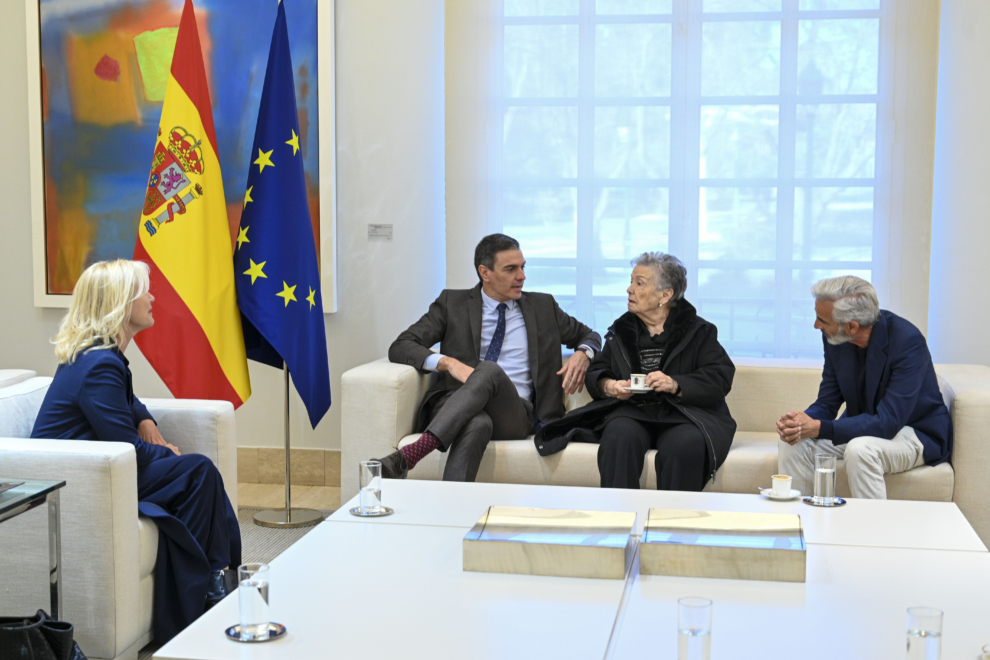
[(739, 135)]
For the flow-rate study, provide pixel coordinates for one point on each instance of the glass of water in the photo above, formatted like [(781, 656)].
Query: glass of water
[(924, 633), (252, 588), (371, 487), (824, 480), (694, 629)]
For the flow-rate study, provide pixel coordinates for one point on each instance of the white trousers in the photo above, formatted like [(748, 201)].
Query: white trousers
[(867, 460)]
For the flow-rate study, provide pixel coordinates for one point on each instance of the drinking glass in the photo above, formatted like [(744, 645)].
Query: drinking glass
[(924, 633), (252, 589), (370, 473), (694, 629), (824, 480)]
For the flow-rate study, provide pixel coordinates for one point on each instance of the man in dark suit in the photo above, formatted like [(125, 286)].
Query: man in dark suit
[(499, 366), (879, 365)]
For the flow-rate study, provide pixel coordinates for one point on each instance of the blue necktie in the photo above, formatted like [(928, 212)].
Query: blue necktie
[(495, 347)]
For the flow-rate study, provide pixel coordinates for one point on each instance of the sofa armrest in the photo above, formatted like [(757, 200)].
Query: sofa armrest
[(200, 426), (10, 377), (381, 402), (969, 395), (100, 545)]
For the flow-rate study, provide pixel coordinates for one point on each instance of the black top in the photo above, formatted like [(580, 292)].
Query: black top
[(651, 349), (649, 406)]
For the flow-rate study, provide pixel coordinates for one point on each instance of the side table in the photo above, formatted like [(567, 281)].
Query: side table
[(27, 496)]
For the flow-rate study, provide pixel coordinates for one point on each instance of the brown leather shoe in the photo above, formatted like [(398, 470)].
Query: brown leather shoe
[(394, 466)]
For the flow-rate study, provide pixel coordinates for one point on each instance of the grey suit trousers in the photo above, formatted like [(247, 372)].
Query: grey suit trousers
[(486, 407)]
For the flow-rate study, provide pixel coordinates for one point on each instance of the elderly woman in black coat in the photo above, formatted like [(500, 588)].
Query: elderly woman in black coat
[(688, 373)]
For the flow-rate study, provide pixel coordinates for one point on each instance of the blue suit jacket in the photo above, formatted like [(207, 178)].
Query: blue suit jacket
[(92, 399), (901, 390)]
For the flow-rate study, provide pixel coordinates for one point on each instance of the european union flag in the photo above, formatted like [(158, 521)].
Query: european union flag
[(278, 280)]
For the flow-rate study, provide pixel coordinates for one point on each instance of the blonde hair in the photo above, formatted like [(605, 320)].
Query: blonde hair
[(101, 307)]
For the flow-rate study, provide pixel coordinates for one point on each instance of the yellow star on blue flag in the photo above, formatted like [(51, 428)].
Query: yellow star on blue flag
[(282, 241)]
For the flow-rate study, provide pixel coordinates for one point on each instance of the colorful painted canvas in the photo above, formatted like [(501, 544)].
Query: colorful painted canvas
[(105, 67)]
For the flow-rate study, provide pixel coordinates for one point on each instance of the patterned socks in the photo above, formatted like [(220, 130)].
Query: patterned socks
[(415, 452)]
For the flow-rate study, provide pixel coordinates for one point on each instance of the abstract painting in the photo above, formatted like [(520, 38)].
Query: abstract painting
[(104, 71)]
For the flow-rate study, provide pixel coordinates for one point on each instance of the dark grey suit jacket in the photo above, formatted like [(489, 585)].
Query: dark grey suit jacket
[(454, 320)]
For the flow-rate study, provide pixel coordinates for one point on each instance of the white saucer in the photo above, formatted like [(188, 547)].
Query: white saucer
[(768, 493), (638, 389)]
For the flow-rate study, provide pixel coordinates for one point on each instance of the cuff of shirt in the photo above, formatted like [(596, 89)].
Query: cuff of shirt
[(585, 346), (141, 415), (826, 430), (430, 363)]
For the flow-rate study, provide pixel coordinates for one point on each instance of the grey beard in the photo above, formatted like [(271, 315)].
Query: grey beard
[(839, 338)]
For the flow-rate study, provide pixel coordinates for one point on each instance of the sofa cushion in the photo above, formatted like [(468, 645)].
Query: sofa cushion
[(761, 393), (751, 462), (19, 406), (934, 484), (147, 545)]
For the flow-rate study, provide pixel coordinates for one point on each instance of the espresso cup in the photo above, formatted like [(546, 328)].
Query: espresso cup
[(637, 380), (781, 485)]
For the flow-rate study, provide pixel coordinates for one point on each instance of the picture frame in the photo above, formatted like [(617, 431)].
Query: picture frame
[(327, 248)]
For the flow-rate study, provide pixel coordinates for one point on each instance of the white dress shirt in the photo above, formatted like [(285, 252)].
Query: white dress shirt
[(514, 356)]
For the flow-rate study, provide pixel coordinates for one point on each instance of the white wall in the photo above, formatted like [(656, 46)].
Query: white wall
[(910, 133), (468, 70), (390, 169), (960, 269)]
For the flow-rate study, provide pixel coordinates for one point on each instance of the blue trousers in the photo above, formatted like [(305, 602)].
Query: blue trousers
[(197, 534)]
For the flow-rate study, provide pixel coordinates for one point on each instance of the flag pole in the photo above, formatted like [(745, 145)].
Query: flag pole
[(285, 434), (289, 518)]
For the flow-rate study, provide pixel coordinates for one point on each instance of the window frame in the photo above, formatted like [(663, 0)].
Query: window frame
[(684, 182)]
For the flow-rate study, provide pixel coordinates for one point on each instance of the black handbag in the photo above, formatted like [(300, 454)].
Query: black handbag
[(37, 638)]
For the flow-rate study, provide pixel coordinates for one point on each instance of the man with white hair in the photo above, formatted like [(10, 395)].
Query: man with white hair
[(878, 364)]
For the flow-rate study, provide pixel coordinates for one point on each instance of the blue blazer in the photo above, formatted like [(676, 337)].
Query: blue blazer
[(901, 390), (92, 399)]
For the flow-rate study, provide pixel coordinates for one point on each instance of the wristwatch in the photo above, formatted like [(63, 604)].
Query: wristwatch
[(587, 351)]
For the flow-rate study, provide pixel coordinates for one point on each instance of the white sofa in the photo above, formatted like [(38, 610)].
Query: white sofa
[(381, 400), (108, 550)]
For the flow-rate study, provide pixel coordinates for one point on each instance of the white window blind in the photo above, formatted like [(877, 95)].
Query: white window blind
[(738, 135)]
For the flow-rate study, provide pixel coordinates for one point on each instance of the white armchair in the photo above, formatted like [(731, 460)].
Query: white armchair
[(108, 550)]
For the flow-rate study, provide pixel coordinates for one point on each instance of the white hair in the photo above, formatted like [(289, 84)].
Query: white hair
[(855, 299), (668, 272)]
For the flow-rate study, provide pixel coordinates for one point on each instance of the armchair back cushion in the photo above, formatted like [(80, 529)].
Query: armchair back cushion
[(19, 406)]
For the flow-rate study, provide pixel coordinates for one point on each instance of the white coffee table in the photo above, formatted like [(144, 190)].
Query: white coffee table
[(393, 587), (398, 591), (853, 605), (892, 523)]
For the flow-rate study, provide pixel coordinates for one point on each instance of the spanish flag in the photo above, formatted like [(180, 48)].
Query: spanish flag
[(196, 344)]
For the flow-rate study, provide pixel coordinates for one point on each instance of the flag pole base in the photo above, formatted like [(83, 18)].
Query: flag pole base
[(295, 518)]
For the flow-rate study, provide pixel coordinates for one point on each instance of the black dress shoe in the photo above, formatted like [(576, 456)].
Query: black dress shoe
[(217, 589), (394, 466)]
